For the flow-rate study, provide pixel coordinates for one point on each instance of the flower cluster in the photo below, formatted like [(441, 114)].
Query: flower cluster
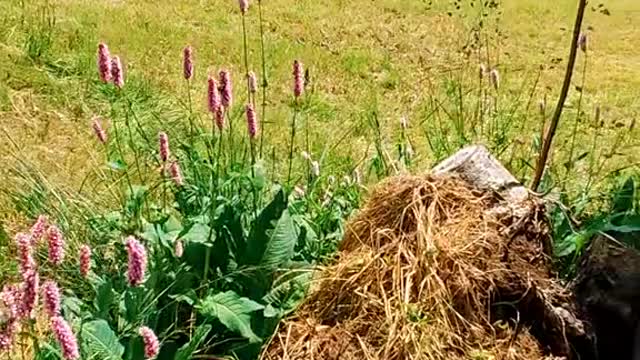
[(137, 261), (151, 343)]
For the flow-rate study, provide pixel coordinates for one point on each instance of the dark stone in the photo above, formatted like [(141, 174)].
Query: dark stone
[(607, 290)]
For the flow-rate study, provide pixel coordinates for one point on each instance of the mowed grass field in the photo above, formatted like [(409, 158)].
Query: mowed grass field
[(389, 58)]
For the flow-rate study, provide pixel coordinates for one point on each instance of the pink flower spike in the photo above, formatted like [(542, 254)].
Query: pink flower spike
[(65, 337), (51, 298), (252, 122), (137, 261), (253, 82), (99, 131), (117, 74), (187, 62), (38, 228), (220, 118), (56, 245), (213, 95), (244, 6), (9, 298), (104, 63), (226, 88), (151, 343), (163, 141), (25, 255), (29, 294), (176, 174), (298, 82), (85, 260)]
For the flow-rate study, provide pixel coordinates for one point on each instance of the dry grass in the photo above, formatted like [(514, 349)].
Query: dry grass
[(420, 268)]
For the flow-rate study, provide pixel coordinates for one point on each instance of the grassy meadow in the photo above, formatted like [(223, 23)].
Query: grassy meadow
[(369, 65)]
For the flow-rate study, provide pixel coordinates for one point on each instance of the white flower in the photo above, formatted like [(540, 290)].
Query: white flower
[(315, 168)]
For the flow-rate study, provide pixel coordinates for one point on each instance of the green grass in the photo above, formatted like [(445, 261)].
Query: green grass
[(390, 57), (370, 63)]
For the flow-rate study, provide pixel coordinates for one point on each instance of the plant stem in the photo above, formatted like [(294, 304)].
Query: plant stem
[(264, 77), (555, 119), (575, 126), (246, 57), (119, 146), (292, 140)]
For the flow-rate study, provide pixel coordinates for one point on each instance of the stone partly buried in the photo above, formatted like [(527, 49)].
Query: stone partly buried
[(606, 321)]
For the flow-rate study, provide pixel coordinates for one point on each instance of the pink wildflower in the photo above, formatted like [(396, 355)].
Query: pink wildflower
[(66, 338), (226, 88), (56, 245), (298, 83), (176, 174), (137, 261), (29, 293), (163, 140), (38, 228), (187, 62), (85, 260), (253, 82), (213, 95), (252, 122), (51, 298), (9, 297), (151, 344), (104, 63), (220, 118), (178, 248), (7, 336), (244, 6), (99, 131), (25, 255), (117, 74)]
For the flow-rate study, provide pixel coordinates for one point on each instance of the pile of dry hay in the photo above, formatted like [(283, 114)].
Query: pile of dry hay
[(419, 276)]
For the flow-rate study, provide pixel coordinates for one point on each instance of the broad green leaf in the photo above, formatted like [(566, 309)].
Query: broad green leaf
[(190, 297), (104, 299), (623, 197), (100, 342), (262, 229), (232, 311), (199, 233), (288, 291), (187, 350), (273, 237)]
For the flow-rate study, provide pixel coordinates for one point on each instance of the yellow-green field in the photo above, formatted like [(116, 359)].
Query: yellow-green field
[(384, 54)]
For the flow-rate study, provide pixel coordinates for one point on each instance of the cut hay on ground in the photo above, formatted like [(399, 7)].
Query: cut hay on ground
[(425, 272)]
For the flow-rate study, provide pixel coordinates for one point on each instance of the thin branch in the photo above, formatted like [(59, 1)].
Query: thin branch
[(544, 153)]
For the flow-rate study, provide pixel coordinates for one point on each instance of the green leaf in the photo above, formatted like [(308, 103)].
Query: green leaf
[(623, 197), (104, 299), (187, 350), (117, 165), (232, 311), (198, 233), (101, 342), (288, 291), (273, 237), (261, 228)]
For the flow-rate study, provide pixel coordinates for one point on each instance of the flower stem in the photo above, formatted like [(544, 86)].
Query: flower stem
[(292, 140), (264, 78)]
